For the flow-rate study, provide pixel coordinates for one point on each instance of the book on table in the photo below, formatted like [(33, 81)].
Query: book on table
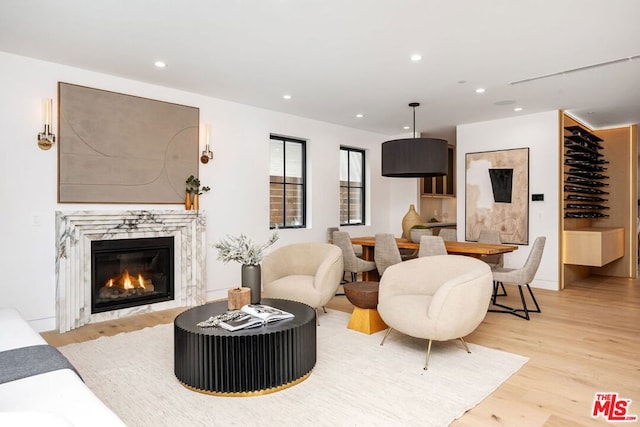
[(254, 315)]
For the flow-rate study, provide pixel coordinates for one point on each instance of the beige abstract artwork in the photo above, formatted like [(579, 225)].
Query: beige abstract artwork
[(497, 194), (117, 148)]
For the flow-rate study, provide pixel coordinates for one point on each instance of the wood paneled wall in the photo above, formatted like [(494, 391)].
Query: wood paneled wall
[(621, 150)]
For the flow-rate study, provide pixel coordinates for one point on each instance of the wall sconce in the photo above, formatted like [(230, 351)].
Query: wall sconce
[(47, 138), (207, 154)]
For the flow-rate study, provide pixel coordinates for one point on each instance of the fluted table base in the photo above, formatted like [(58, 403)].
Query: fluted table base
[(247, 362)]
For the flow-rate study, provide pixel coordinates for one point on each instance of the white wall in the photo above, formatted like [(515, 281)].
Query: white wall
[(238, 177), (539, 132), (402, 193)]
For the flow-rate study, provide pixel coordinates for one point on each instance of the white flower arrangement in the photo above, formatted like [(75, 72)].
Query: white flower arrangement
[(241, 249)]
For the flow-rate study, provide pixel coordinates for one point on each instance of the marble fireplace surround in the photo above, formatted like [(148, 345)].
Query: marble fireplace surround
[(74, 233)]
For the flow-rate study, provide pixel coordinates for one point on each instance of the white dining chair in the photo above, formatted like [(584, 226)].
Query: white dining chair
[(352, 264), (521, 277), (431, 245), (386, 252)]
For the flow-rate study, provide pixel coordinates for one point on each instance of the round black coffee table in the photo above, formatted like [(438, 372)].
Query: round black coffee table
[(245, 362)]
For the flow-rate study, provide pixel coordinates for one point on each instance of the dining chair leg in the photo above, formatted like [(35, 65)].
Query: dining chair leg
[(494, 294), (523, 312), (426, 362), (385, 336), (537, 310), (504, 291), (526, 309), (524, 303)]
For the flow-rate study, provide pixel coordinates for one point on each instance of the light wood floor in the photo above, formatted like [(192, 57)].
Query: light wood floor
[(585, 341)]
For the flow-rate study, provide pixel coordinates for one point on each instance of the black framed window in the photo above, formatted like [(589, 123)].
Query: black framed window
[(352, 186), (287, 182)]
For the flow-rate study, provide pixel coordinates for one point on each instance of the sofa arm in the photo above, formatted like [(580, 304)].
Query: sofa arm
[(33, 418), (16, 332)]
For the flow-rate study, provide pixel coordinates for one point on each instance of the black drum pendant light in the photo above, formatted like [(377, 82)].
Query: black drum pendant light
[(414, 157)]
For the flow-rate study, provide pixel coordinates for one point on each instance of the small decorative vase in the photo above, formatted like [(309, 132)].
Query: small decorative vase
[(196, 202), (251, 279), (187, 201), (410, 219)]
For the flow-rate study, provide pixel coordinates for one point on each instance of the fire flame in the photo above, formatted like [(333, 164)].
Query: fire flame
[(126, 281)]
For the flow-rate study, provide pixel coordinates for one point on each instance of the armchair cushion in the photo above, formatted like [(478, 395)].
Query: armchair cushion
[(296, 287)]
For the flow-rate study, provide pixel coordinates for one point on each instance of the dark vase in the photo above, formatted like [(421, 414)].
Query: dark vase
[(251, 279)]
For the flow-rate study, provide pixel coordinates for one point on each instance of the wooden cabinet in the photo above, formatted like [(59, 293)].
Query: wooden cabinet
[(441, 186), (593, 246)]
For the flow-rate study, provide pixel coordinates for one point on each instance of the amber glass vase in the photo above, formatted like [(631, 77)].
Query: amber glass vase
[(187, 201)]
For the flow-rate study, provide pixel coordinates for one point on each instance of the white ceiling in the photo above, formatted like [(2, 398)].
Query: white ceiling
[(338, 58)]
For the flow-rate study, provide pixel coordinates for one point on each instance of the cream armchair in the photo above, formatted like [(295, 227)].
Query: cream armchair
[(439, 298), (309, 273)]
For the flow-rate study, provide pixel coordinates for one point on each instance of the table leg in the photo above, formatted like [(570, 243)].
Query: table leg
[(366, 320), (368, 253)]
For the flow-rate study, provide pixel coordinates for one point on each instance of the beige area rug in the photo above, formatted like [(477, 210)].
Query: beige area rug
[(356, 382)]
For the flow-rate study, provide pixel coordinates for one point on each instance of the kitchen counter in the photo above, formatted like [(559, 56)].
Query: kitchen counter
[(439, 224)]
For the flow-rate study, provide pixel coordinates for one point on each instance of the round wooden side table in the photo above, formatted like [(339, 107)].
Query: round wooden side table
[(365, 317)]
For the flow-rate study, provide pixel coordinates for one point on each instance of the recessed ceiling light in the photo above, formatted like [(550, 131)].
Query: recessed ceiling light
[(406, 127), (286, 96), (517, 109), (480, 90), (359, 116), (416, 57), (160, 64)]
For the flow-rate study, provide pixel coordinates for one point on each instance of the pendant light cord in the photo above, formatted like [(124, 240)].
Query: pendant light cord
[(414, 122), (414, 105)]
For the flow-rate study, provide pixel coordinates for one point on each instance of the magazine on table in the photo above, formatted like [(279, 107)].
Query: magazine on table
[(254, 315)]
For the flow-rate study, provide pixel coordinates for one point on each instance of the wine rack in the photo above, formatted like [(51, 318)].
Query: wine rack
[(585, 182)]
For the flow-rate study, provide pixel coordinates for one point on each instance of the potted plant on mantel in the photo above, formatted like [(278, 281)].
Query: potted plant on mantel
[(241, 249), (194, 191)]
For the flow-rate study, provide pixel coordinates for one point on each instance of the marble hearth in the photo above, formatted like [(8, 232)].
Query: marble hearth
[(76, 230)]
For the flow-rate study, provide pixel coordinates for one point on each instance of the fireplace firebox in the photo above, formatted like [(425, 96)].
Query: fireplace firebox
[(131, 272)]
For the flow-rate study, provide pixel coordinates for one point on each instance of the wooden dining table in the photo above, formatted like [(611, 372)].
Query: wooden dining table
[(473, 249)]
